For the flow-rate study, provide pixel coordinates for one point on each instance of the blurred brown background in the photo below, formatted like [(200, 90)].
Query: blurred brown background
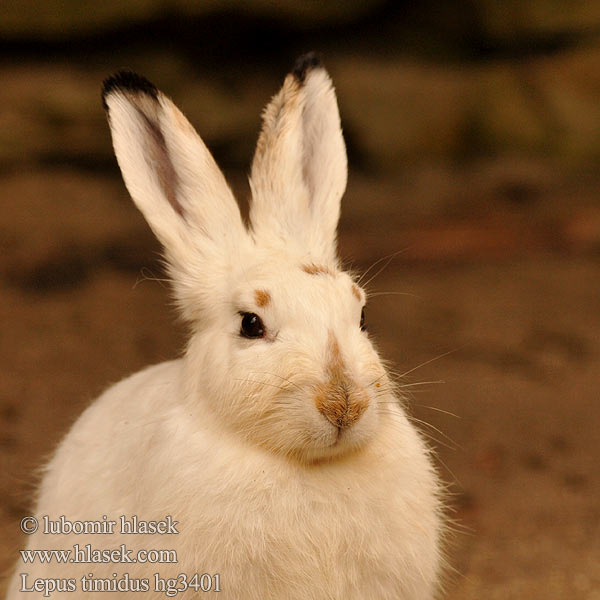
[(473, 130)]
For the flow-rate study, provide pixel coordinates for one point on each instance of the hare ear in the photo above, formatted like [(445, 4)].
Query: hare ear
[(170, 173), (300, 168)]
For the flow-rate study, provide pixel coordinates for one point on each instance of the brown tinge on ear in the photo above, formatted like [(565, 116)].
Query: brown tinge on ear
[(340, 400), (262, 297), (279, 110)]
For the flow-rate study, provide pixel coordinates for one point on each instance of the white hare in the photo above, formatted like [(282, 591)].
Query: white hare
[(274, 454)]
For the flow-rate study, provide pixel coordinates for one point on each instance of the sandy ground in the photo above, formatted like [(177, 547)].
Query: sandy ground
[(498, 320)]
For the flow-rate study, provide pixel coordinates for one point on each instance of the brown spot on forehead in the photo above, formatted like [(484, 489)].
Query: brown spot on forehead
[(262, 297), (335, 366), (314, 269), (356, 292)]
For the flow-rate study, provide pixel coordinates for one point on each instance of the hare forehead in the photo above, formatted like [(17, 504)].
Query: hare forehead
[(318, 292), (300, 286)]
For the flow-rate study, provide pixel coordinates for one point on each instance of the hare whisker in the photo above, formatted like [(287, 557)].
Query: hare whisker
[(438, 357), (388, 257)]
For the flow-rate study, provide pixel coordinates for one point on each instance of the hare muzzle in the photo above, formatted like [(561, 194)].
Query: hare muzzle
[(340, 400)]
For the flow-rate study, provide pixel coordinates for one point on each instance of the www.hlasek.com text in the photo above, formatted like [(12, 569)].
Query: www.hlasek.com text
[(87, 554)]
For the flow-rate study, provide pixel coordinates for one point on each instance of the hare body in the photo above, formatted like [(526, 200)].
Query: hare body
[(276, 443), (270, 528)]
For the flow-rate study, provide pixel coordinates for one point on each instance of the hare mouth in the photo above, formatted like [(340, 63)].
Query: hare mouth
[(346, 439), (340, 449)]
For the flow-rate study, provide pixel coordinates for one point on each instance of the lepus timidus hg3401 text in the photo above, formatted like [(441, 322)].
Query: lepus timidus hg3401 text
[(276, 443)]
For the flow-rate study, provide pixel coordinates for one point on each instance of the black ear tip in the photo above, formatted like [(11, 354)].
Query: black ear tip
[(127, 81), (306, 63)]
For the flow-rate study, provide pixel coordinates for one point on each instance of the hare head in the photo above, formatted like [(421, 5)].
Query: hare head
[(278, 351)]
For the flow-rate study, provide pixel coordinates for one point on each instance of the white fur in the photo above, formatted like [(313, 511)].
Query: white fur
[(228, 440), (299, 170)]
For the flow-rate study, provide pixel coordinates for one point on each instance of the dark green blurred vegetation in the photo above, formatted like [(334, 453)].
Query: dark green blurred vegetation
[(425, 82)]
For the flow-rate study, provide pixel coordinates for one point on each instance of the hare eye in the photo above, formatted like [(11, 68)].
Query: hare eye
[(252, 326), (363, 321)]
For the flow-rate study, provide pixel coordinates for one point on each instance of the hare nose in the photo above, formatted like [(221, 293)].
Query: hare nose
[(341, 406), (340, 399)]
